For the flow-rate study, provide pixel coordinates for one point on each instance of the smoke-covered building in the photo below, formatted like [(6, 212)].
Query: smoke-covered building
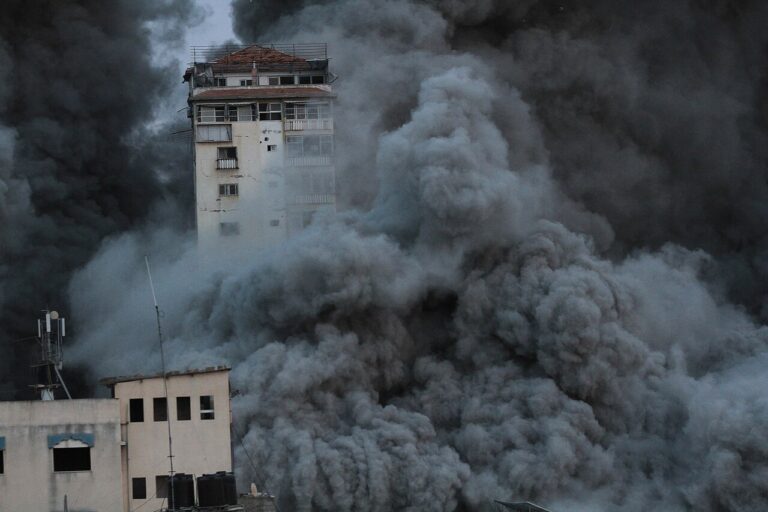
[(263, 142)]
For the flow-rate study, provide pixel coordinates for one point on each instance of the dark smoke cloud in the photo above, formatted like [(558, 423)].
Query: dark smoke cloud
[(77, 162), (484, 324)]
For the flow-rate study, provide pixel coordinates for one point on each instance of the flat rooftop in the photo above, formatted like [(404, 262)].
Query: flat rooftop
[(111, 381)]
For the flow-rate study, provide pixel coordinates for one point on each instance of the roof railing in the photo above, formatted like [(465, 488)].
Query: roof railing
[(225, 52)]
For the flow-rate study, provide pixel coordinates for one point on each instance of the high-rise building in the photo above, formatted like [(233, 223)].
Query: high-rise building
[(262, 119)]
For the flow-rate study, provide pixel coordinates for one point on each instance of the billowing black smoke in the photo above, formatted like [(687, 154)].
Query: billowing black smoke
[(531, 295), (77, 163)]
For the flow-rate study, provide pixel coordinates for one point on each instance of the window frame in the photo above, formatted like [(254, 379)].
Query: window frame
[(270, 111), (143, 481), (229, 190), (207, 410), (62, 450), (163, 416), (131, 402), (187, 409)]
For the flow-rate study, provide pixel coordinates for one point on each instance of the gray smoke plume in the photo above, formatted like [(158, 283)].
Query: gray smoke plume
[(531, 295), (76, 162)]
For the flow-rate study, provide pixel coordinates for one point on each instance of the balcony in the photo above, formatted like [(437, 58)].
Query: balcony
[(226, 163), (308, 161), (314, 199), (296, 125)]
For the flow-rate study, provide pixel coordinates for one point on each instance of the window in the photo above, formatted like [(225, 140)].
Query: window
[(271, 147), (309, 145), (211, 114), (220, 82), (228, 189), (273, 80), (315, 110), (270, 112), (139, 488), (274, 222), (227, 152), (206, 407), (229, 229), (183, 408), (161, 486), (305, 79), (160, 408), (136, 410), (318, 79), (2, 462), (306, 218), (287, 80), (214, 133), (245, 83), (72, 459)]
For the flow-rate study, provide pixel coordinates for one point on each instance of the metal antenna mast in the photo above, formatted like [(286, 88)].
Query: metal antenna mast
[(165, 383), (51, 330)]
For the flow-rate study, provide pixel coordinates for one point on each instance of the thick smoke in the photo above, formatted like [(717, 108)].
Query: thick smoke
[(76, 162), (532, 297)]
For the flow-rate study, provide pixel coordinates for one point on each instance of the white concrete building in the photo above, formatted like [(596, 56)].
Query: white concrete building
[(198, 410), (52, 452), (262, 120)]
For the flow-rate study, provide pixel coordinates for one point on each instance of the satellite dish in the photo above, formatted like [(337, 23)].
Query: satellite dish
[(54, 315)]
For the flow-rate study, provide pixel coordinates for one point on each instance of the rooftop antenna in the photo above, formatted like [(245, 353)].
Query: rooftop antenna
[(165, 384), (51, 330)]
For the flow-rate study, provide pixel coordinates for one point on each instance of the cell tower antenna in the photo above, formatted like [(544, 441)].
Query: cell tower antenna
[(51, 330), (171, 486)]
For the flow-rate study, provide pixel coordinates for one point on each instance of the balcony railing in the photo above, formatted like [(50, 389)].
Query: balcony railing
[(314, 199), (296, 125), (226, 163), (306, 161)]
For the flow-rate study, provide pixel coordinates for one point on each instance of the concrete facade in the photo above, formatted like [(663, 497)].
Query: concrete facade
[(30, 431), (263, 146), (201, 444)]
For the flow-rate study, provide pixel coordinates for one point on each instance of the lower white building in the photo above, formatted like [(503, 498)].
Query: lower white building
[(108, 455), (54, 453)]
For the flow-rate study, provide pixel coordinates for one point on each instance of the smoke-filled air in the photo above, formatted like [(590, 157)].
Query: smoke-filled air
[(546, 280)]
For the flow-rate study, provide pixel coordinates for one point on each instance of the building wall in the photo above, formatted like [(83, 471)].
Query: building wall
[(260, 180), (200, 446), (29, 482), (266, 208)]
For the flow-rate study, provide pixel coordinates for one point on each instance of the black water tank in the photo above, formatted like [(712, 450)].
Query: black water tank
[(230, 489), (183, 495), (210, 491)]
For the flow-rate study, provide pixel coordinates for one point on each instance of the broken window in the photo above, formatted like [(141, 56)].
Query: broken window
[(245, 83), (206, 407), (318, 79), (228, 229), (183, 408), (160, 408), (139, 488), (214, 133), (271, 147), (273, 80), (287, 80), (72, 459), (161, 486), (305, 80), (306, 218), (220, 82), (228, 189), (136, 410), (270, 111)]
